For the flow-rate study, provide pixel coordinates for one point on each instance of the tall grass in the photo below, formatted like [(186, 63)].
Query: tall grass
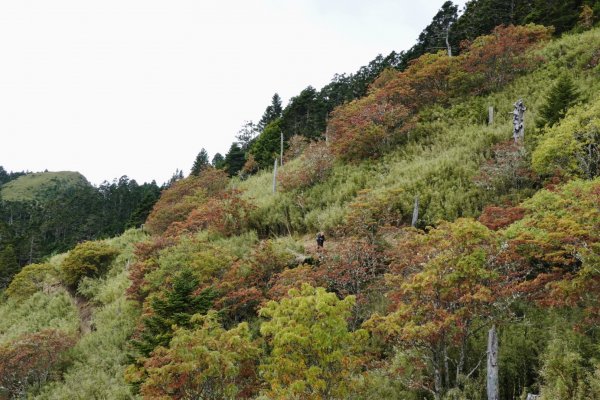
[(437, 160)]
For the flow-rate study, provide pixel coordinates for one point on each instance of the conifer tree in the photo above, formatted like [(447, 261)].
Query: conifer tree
[(218, 161), (560, 98), (200, 163), (174, 309), (234, 160), (272, 112)]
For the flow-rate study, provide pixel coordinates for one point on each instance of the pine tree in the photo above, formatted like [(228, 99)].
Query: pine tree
[(272, 112), (436, 36), (174, 309), (200, 163), (218, 161), (8, 265), (267, 145), (234, 160), (560, 98)]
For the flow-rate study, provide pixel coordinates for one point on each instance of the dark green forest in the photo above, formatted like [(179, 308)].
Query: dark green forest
[(61, 214)]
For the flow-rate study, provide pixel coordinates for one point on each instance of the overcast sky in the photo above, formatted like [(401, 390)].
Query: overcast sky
[(138, 87)]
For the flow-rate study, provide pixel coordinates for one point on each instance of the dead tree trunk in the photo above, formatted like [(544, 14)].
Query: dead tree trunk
[(492, 364), (275, 176), (519, 120), (448, 46), (491, 115), (415, 212)]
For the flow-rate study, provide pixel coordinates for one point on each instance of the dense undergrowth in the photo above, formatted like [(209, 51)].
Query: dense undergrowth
[(228, 297)]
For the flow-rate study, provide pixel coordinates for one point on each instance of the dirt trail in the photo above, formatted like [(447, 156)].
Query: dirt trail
[(85, 309)]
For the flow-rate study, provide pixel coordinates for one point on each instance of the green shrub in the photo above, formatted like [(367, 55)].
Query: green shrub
[(571, 148), (90, 259), (30, 280)]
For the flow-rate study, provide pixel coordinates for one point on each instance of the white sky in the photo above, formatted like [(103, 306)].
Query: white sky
[(138, 87)]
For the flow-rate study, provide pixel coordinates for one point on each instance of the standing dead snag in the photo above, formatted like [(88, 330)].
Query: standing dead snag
[(415, 212), (275, 176), (492, 364), (519, 120)]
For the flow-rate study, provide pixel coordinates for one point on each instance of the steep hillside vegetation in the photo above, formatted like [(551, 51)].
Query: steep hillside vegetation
[(228, 296)]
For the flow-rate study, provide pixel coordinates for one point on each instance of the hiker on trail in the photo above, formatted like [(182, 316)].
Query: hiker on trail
[(320, 239)]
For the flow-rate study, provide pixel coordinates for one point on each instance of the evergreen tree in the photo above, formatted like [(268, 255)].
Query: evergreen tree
[(272, 112), (3, 175), (436, 36), (175, 308), (200, 163), (563, 15), (267, 145), (177, 175), (218, 161), (234, 160), (8, 265), (150, 195), (305, 115), (560, 98)]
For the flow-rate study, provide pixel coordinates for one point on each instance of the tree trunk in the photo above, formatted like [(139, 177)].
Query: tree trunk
[(275, 176), (415, 211), (492, 364), (448, 47)]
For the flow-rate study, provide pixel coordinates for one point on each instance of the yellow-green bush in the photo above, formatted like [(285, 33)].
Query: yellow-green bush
[(90, 259), (571, 148), (30, 279)]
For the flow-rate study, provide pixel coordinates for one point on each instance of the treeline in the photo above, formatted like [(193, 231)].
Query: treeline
[(6, 176), (307, 114), (63, 215)]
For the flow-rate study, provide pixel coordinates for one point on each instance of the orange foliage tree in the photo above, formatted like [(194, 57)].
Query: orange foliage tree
[(244, 286), (441, 290), (226, 215), (492, 61), (314, 165), (556, 244), (32, 360), (206, 362), (184, 196)]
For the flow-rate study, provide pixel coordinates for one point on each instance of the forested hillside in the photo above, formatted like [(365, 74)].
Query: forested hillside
[(46, 213), (440, 227)]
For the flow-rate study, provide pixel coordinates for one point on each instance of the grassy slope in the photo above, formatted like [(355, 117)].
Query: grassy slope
[(32, 186), (441, 158), (99, 358)]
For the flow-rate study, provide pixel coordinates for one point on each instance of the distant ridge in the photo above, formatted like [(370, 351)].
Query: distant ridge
[(34, 185)]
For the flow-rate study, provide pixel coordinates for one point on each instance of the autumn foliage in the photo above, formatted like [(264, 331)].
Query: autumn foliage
[(225, 215), (365, 128), (313, 166), (32, 360), (183, 196), (206, 362)]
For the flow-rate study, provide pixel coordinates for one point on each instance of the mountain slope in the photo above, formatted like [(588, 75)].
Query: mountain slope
[(221, 300), (36, 186)]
